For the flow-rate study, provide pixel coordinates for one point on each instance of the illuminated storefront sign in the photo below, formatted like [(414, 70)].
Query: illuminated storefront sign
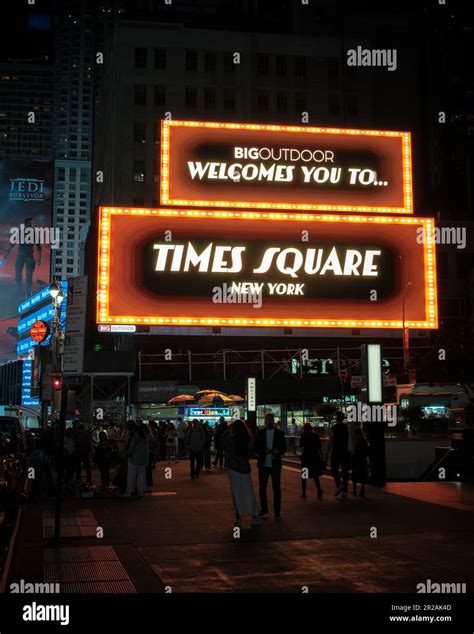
[(285, 167), (39, 331), (207, 412), (233, 268)]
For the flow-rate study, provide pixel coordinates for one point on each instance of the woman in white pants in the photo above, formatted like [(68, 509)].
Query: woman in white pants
[(138, 456), (237, 444)]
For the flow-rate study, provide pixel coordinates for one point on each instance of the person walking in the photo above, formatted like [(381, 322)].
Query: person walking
[(292, 439), (82, 442), (195, 441), (207, 447), (219, 443), (270, 445), (360, 461), (138, 455), (237, 441), (102, 457), (171, 436), (181, 429), (339, 452), (311, 459)]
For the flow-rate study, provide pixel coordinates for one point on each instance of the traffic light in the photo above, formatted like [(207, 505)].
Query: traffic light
[(57, 382)]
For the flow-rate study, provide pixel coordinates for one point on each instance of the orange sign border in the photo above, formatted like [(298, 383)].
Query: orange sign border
[(45, 330), (166, 124), (103, 270)]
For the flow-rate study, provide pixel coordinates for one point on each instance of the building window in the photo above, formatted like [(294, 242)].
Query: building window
[(140, 95), (159, 95), (229, 66), (209, 98), (191, 60), (300, 103), (262, 64), (209, 62), (229, 100), (352, 105), (140, 58), (190, 97), (157, 132), (281, 65), (300, 66), (333, 68), (281, 102), (334, 105), (139, 171), (263, 102), (160, 58), (139, 132)]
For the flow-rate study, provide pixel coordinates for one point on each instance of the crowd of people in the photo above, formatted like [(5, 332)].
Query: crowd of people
[(126, 454)]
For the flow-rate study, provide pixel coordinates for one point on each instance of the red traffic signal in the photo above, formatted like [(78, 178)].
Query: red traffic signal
[(57, 382)]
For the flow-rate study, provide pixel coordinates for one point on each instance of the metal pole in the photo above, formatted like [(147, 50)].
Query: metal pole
[(92, 400), (139, 365), (223, 364), (262, 357), (301, 364), (60, 467), (189, 365)]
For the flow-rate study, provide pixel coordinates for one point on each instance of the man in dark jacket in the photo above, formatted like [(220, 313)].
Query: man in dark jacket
[(269, 446), (339, 451)]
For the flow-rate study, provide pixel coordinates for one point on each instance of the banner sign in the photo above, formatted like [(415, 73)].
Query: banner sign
[(206, 412), (230, 268), (285, 167)]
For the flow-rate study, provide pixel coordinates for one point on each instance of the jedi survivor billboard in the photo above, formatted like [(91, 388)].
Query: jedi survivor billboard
[(285, 167), (165, 266), (26, 238)]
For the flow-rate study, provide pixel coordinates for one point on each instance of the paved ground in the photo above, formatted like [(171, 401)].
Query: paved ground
[(182, 536)]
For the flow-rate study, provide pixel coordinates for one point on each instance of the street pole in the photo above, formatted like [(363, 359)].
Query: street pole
[(60, 467)]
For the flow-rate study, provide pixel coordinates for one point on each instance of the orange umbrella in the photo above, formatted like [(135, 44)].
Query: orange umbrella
[(236, 398), (181, 398), (203, 393), (215, 398)]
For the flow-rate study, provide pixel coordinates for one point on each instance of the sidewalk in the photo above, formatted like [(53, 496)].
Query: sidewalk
[(181, 536)]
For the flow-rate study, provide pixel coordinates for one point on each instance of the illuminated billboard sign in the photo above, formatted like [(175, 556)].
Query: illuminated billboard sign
[(235, 165), (233, 268), (207, 412)]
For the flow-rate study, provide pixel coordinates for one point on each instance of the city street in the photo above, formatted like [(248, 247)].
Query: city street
[(181, 537)]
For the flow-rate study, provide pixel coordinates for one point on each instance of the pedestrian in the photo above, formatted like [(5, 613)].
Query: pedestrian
[(69, 455), (83, 444), (270, 445), (219, 443), (292, 441), (181, 429), (237, 441), (195, 441), (102, 457), (311, 459), (149, 467), (360, 461), (171, 436), (339, 452), (138, 456), (207, 447)]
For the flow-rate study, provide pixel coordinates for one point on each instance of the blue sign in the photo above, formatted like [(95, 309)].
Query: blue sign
[(207, 412), (26, 398)]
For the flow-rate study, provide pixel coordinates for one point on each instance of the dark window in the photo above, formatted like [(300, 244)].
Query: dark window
[(139, 132), (262, 64), (139, 171), (442, 265), (229, 66), (281, 65), (190, 97), (209, 61), (160, 58), (263, 102), (191, 60), (464, 265), (334, 104), (209, 98), (352, 105), (140, 94), (140, 58), (300, 66), (229, 100), (300, 103), (157, 132), (333, 68), (281, 102), (159, 95)]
